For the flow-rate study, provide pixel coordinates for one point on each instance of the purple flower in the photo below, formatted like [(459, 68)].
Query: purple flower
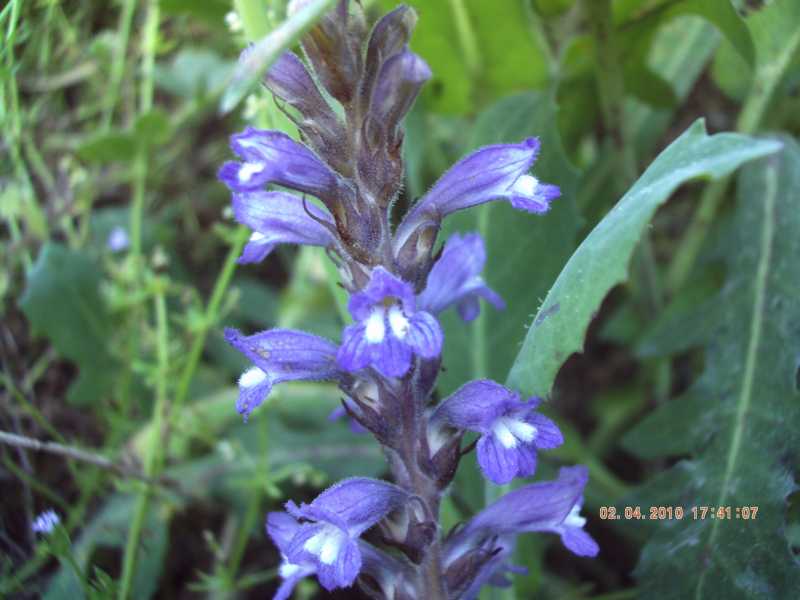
[(280, 218), (274, 157), (388, 329), (510, 430), (118, 239), (46, 522), (489, 173), (280, 355), (455, 279), (324, 536), (551, 506)]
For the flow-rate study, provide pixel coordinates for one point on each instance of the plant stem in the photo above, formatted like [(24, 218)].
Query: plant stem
[(155, 448), (118, 66)]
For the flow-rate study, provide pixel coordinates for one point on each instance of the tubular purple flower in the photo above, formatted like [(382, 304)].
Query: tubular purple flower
[(327, 531), (455, 279), (280, 218), (274, 157), (551, 506), (388, 329), (489, 173), (280, 355), (511, 432)]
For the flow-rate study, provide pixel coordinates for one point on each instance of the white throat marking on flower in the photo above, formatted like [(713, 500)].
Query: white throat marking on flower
[(375, 329), (326, 544), (248, 169), (252, 377), (526, 185), (257, 237), (398, 322), (510, 431), (574, 518)]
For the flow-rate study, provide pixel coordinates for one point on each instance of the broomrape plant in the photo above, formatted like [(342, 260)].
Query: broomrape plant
[(344, 180)]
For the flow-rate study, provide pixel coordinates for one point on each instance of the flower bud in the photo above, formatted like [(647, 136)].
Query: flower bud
[(334, 49), (389, 36)]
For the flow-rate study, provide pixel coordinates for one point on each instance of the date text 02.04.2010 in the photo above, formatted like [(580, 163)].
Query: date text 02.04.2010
[(746, 513)]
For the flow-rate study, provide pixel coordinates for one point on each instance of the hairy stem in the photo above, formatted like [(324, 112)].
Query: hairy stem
[(414, 427)]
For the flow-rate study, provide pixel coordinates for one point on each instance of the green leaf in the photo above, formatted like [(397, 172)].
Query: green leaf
[(478, 51), (108, 147), (62, 302), (152, 128), (193, 72), (602, 259), (739, 420), (250, 70)]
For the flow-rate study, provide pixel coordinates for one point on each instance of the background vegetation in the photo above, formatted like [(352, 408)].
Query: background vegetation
[(115, 118)]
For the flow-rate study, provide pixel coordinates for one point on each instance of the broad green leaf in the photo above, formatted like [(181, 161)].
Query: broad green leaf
[(478, 51), (602, 260), (150, 129), (193, 72), (739, 421), (62, 302)]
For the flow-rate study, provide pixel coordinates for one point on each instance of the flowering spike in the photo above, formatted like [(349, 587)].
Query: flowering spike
[(390, 356)]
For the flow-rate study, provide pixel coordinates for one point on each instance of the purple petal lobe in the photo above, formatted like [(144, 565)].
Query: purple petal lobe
[(548, 435), (498, 463), (424, 335), (579, 542), (475, 405)]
